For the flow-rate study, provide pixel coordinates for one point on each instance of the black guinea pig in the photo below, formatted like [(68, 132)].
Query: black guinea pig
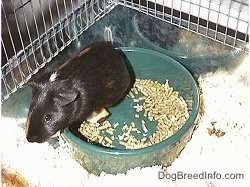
[(96, 78)]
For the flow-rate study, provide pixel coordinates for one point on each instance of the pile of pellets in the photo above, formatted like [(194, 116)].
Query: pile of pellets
[(157, 102)]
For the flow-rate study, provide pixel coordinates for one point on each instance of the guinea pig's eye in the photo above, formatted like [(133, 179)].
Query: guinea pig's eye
[(47, 118)]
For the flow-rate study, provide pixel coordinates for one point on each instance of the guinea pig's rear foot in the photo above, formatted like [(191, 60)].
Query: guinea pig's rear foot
[(98, 116)]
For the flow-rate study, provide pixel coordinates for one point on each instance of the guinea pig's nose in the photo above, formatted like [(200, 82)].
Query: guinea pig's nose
[(34, 138)]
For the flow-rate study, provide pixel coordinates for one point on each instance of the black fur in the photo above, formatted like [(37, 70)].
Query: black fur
[(89, 81)]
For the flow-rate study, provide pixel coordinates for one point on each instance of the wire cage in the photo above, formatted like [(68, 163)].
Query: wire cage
[(35, 31)]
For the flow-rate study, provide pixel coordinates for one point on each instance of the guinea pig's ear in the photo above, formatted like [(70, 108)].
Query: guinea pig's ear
[(65, 96)]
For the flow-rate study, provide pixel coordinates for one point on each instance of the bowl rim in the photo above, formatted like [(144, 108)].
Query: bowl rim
[(156, 147)]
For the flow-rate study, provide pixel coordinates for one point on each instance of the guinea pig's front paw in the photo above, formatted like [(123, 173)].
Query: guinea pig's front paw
[(98, 116)]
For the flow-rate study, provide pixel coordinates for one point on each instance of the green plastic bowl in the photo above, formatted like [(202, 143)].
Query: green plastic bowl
[(147, 64)]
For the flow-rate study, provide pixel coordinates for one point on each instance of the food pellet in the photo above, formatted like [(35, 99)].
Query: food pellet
[(108, 140), (158, 103), (110, 131), (144, 128), (137, 116), (131, 95), (116, 125)]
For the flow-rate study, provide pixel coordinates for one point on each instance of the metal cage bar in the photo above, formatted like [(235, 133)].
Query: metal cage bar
[(41, 36), (233, 37), (35, 31)]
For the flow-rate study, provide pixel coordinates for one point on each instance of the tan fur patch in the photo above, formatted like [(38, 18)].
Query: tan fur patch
[(64, 64), (87, 50)]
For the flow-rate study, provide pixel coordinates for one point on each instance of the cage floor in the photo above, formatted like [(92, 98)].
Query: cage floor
[(223, 75)]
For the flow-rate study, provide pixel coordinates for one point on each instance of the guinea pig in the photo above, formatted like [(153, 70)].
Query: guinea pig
[(96, 78)]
